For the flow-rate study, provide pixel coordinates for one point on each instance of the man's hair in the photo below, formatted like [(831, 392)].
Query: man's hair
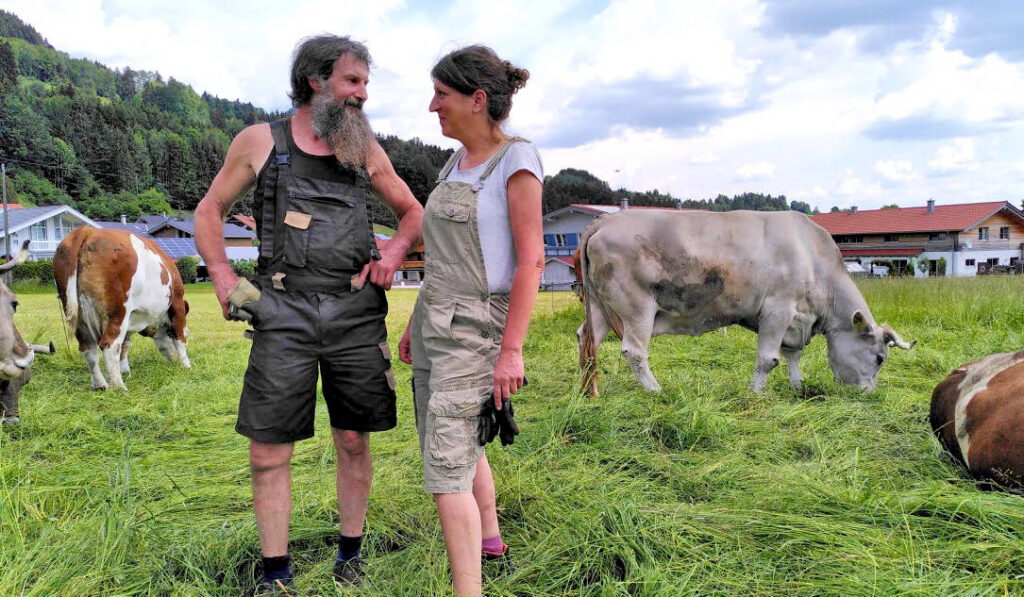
[(315, 57)]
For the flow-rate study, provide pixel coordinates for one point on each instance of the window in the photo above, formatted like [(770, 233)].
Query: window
[(1004, 232), (938, 236), (559, 240), (39, 231), (969, 263), (890, 238), (993, 260), (983, 233), (63, 227), (849, 238)]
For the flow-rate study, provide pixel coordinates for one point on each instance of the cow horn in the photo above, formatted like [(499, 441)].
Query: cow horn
[(18, 259), (40, 349), (893, 339)]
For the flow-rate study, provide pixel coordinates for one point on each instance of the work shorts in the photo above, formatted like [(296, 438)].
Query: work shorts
[(297, 335), (455, 345)]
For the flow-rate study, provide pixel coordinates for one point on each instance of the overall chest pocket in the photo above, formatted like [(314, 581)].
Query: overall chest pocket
[(448, 237), (325, 225)]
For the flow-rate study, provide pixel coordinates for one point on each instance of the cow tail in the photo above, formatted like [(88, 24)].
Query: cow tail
[(588, 347), (65, 273)]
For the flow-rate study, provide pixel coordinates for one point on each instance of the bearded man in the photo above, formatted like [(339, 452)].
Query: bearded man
[(313, 175)]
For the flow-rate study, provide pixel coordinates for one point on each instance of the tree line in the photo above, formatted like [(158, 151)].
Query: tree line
[(113, 142)]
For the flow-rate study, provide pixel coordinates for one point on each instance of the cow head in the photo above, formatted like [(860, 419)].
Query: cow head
[(857, 353), (15, 355)]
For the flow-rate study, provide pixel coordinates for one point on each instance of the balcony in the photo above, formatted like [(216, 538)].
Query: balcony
[(550, 251)]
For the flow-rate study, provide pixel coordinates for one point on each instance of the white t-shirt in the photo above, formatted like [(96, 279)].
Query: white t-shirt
[(492, 211)]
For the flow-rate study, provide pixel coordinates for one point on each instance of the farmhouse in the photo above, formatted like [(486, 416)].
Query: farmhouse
[(45, 226), (966, 238), (562, 230)]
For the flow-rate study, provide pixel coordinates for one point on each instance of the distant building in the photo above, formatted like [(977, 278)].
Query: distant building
[(45, 226), (562, 231), (970, 237)]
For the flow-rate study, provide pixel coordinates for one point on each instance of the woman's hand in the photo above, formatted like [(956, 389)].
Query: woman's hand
[(404, 346), (508, 375)]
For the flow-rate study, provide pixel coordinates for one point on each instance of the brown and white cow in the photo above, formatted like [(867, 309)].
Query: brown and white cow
[(977, 415), (651, 272), (113, 283)]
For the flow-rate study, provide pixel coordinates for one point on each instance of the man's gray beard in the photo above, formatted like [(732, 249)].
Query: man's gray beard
[(343, 126)]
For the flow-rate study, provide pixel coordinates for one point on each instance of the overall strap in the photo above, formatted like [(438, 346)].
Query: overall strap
[(275, 192), (493, 162), (451, 163)]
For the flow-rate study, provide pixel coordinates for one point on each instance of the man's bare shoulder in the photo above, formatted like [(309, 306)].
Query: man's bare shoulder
[(253, 145)]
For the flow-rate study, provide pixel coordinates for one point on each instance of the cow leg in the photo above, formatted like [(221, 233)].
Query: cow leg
[(113, 337), (182, 355), (636, 336), (92, 360), (770, 332), (126, 369), (796, 379)]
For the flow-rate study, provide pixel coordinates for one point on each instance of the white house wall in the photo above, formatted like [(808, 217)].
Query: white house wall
[(557, 276), (956, 263), (568, 223)]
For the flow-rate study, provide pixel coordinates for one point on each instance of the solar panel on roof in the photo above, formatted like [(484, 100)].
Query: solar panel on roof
[(177, 247)]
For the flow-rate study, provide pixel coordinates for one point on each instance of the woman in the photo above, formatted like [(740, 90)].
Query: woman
[(484, 256)]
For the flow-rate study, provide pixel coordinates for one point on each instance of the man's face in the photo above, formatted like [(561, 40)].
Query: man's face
[(338, 118)]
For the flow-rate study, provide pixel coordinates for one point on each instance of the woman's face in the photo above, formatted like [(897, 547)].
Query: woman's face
[(454, 110)]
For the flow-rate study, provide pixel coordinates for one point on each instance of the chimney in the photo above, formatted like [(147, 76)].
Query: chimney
[(931, 206), (624, 203), (124, 219), (853, 210)]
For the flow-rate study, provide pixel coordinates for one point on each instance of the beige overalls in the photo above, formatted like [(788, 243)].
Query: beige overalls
[(457, 326)]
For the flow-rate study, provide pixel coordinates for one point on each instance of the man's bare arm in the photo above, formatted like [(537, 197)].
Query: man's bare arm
[(236, 176), (400, 199)]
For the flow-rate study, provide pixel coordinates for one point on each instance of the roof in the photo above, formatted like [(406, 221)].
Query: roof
[(956, 217), (566, 260), (152, 221), (880, 252), (136, 227), (18, 219), (188, 226), (600, 210), (177, 247)]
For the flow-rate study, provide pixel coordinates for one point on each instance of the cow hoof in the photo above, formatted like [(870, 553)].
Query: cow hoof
[(8, 421), (186, 364), (121, 387), (102, 388)]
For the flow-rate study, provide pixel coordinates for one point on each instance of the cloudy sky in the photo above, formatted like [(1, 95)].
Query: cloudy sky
[(833, 102)]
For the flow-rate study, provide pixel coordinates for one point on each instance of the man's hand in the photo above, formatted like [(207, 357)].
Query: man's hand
[(405, 346), (382, 271), (509, 375), (223, 281)]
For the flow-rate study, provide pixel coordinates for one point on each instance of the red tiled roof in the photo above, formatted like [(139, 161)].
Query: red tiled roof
[(566, 260), (880, 252), (956, 217)]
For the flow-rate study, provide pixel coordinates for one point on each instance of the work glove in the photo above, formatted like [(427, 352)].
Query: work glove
[(497, 423), (242, 300)]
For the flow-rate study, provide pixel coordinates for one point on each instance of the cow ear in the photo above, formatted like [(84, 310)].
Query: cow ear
[(860, 323), (186, 307)]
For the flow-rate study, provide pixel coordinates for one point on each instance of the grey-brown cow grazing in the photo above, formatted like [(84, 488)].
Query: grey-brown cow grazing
[(977, 415), (649, 272), (15, 355)]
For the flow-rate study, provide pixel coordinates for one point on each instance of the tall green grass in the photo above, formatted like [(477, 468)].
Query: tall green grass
[(701, 489)]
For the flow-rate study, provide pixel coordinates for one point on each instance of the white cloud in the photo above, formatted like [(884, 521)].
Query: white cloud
[(897, 170), (855, 187), (957, 155), (756, 171)]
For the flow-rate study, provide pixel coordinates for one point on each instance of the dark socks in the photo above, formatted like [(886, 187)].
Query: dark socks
[(349, 547), (277, 568)]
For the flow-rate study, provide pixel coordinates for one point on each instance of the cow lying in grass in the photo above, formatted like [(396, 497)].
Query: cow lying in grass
[(977, 414), (649, 272)]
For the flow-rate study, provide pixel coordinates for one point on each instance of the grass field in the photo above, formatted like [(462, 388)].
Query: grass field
[(702, 489)]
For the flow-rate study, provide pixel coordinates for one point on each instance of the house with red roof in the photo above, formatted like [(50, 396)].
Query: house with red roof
[(562, 231), (969, 238)]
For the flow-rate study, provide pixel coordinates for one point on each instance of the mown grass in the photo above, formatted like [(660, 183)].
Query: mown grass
[(701, 489)]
